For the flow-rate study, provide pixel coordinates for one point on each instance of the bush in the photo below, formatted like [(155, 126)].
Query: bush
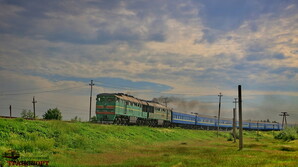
[(53, 114), (76, 119), (94, 119), (288, 134), (27, 114)]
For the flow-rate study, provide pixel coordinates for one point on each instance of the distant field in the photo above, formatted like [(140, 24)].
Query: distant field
[(85, 144)]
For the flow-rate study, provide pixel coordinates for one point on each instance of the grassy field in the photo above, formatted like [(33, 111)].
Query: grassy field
[(85, 144)]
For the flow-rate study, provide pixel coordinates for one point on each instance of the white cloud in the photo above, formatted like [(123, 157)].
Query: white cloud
[(166, 45)]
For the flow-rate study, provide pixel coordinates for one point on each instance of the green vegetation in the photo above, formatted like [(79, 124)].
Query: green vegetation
[(76, 119), (93, 119), (27, 114), (288, 134), (86, 144), (53, 114)]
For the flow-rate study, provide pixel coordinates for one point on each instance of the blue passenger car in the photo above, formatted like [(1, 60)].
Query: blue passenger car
[(181, 118), (224, 123), (206, 121)]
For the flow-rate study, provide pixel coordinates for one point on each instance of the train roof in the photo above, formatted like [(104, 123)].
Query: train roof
[(157, 105), (133, 99), (250, 121)]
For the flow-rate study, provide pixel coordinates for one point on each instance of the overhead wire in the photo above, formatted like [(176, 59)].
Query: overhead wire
[(38, 92), (20, 90)]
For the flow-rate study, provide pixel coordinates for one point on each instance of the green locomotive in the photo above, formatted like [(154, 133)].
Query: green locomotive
[(123, 109)]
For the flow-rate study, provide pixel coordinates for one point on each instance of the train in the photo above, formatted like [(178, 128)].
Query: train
[(124, 109)]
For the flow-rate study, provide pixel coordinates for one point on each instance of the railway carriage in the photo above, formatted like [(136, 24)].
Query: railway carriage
[(272, 126), (225, 123), (183, 120), (206, 122), (256, 126)]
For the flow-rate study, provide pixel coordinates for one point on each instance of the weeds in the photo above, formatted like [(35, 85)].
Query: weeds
[(70, 144), (288, 134)]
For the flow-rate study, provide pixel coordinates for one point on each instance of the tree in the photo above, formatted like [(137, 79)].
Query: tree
[(53, 114), (76, 119), (27, 114), (94, 119)]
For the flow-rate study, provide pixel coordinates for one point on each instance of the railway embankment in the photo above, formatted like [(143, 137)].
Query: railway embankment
[(87, 144)]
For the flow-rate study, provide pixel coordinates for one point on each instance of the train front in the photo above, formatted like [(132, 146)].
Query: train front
[(105, 107)]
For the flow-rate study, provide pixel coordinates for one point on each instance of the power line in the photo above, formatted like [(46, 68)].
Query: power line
[(12, 94), (64, 106), (20, 90)]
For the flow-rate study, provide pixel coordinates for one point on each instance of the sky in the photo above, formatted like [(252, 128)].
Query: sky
[(190, 50)]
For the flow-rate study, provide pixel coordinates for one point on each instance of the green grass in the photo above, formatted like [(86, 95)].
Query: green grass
[(85, 144)]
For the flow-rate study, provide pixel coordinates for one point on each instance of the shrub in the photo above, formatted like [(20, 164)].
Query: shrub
[(94, 119), (287, 134), (76, 119), (27, 114), (53, 114)]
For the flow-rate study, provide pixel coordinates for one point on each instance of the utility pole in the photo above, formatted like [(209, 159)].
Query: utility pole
[(166, 101), (240, 118), (91, 84), (34, 101), (196, 119), (257, 129), (235, 101), (10, 111), (284, 119), (234, 124), (218, 118)]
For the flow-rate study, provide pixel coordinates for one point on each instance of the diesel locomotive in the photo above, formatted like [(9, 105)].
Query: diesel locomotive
[(123, 109)]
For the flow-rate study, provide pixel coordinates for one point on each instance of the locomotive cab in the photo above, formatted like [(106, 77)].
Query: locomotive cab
[(105, 108)]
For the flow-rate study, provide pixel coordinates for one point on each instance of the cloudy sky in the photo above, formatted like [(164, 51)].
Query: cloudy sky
[(187, 49)]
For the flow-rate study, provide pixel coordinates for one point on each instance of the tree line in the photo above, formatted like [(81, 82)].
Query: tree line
[(54, 113)]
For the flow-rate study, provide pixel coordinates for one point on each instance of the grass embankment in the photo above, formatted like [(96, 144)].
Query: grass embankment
[(85, 144)]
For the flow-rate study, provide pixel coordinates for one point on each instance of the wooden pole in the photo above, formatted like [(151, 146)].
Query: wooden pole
[(10, 111), (34, 101), (240, 118), (234, 124), (218, 118), (91, 84), (257, 128)]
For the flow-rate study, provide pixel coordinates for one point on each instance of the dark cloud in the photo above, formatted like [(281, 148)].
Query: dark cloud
[(225, 15), (289, 72), (32, 19), (229, 15), (264, 56), (279, 56), (209, 36)]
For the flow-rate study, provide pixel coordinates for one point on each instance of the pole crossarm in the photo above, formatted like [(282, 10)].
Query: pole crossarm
[(284, 119)]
